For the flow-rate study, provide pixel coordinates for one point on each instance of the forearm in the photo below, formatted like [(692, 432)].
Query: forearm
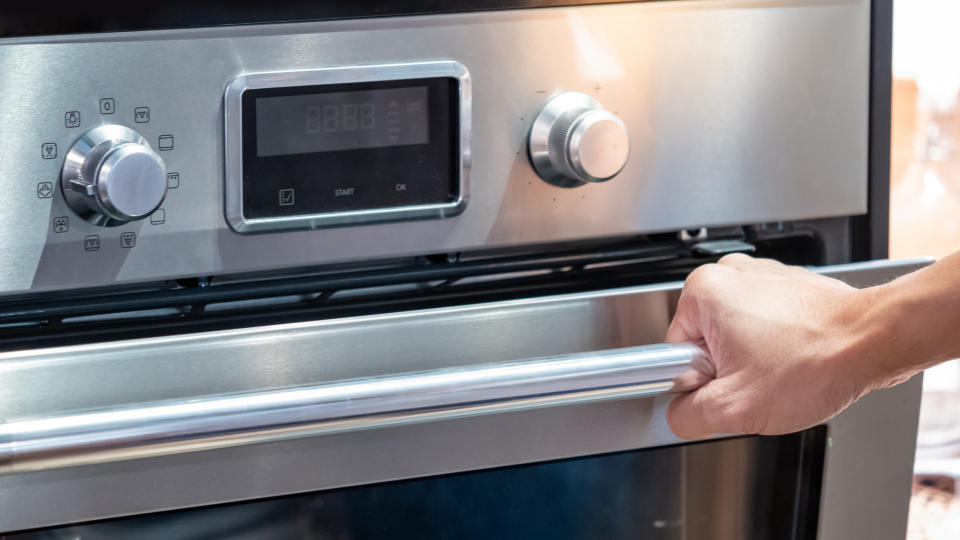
[(913, 322)]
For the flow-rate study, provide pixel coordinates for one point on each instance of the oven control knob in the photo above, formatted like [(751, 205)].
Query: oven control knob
[(574, 141), (111, 176)]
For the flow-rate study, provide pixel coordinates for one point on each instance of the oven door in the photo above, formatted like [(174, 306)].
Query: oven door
[(527, 419)]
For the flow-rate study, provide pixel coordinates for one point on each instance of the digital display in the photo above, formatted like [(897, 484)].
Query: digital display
[(337, 121), (324, 149)]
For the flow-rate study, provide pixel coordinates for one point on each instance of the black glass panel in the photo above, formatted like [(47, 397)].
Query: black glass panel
[(356, 146), (753, 487), (30, 19)]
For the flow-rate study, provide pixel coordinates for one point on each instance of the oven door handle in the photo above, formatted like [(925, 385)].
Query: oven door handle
[(208, 423)]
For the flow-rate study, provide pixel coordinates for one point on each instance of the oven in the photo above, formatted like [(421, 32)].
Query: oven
[(368, 270)]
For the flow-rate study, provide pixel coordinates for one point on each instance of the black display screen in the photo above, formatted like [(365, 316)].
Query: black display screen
[(342, 121), (354, 146)]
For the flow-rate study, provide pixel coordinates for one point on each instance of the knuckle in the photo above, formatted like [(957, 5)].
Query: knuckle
[(734, 258), (771, 262), (703, 278), (698, 275)]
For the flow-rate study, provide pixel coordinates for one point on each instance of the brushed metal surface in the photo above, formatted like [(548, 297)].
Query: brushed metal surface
[(869, 460), (195, 425), (738, 111)]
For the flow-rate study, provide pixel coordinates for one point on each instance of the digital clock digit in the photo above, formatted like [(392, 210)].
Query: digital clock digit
[(344, 117), (335, 121)]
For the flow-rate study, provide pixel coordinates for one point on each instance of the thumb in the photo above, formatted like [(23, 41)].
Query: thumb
[(694, 415)]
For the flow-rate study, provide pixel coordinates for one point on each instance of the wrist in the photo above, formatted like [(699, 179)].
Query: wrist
[(884, 346)]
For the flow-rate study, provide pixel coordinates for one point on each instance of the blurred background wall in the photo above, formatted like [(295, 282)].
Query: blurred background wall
[(925, 221)]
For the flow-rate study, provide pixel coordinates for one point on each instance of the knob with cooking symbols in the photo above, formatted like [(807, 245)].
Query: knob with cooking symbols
[(111, 176), (575, 141)]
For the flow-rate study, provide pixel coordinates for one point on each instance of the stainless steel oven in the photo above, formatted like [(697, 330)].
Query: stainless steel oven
[(382, 270)]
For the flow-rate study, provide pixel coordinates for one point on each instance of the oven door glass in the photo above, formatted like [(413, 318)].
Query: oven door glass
[(753, 487)]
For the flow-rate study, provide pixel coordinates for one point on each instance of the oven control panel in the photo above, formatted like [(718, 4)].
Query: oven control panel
[(253, 148)]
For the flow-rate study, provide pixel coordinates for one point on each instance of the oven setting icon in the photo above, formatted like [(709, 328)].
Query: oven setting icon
[(48, 150), (165, 142), (45, 190), (91, 242), (61, 224), (72, 119)]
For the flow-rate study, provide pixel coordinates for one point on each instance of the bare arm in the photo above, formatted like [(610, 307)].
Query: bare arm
[(791, 349)]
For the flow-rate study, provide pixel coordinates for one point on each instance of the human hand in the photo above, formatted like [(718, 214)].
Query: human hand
[(788, 348)]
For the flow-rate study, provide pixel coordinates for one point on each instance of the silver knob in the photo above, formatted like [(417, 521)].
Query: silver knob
[(574, 141), (111, 176)]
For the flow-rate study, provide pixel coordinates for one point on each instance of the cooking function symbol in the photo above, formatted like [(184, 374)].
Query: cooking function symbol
[(72, 119), (91, 242), (48, 150), (141, 115), (44, 190), (61, 224)]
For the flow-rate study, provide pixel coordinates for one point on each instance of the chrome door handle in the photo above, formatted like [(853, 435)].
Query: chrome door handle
[(243, 419)]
